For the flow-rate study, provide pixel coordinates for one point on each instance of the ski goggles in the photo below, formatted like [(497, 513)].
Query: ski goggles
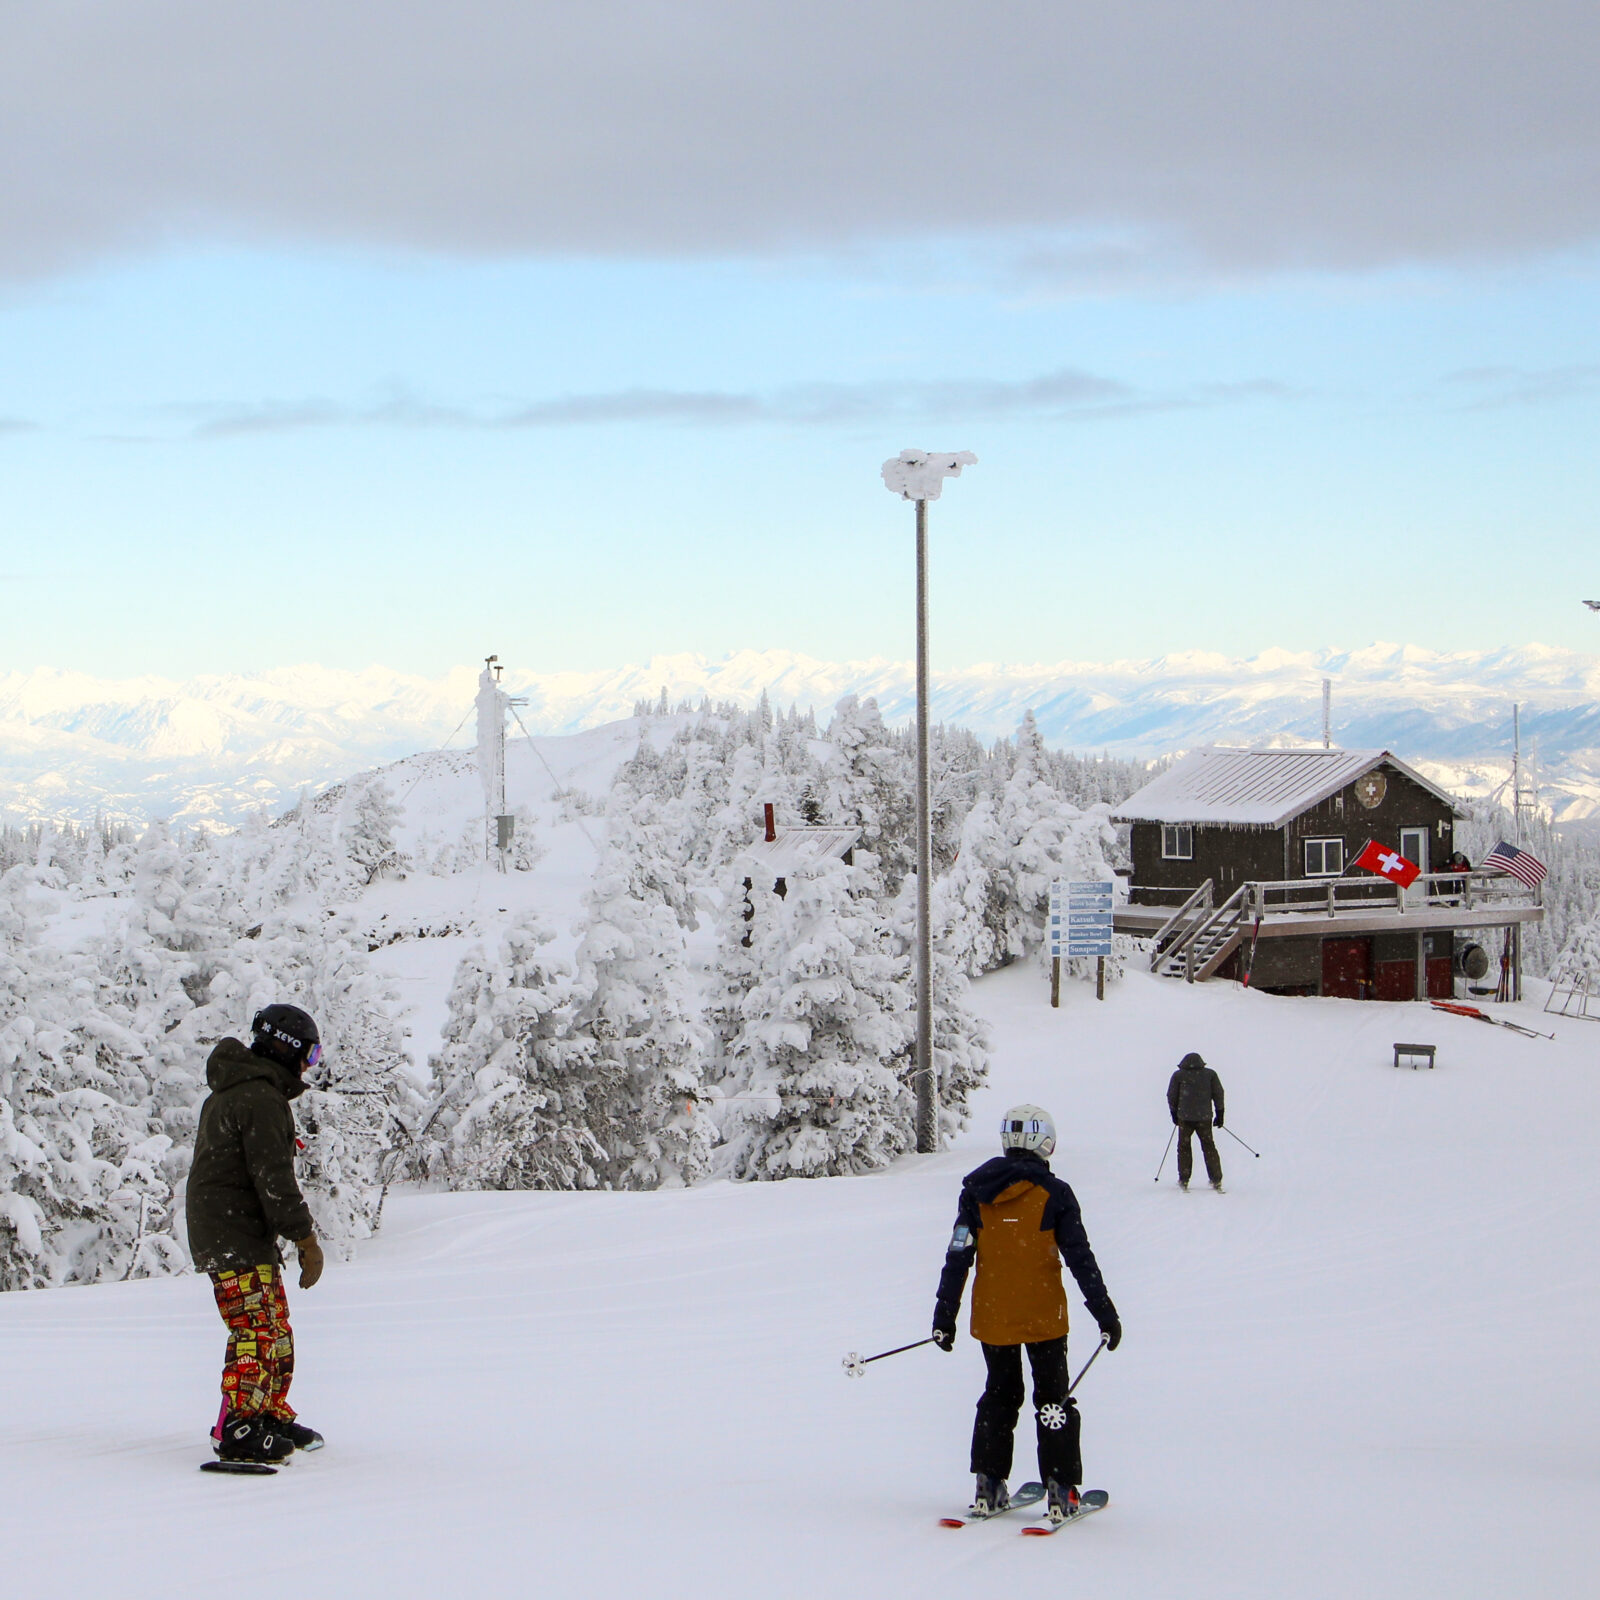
[(1033, 1125), (313, 1056)]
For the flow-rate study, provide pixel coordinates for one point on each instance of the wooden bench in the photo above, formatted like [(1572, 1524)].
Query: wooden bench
[(1415, 1054)]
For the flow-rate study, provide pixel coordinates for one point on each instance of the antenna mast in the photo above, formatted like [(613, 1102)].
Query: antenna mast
[(1327, 713), (1524, 791), (492, 704)]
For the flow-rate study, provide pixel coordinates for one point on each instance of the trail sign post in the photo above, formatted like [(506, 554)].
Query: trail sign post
[(1079, 925)]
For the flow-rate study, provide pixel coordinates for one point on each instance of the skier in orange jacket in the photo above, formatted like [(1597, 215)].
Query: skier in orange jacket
[(1018, 1222)]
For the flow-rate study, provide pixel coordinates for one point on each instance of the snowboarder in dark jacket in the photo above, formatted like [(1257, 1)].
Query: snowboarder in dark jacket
[(242, 1198), (1018, 1222), (1194, 1097)]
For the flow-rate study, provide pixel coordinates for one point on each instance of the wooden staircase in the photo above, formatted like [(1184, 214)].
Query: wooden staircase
[(1200, 936)]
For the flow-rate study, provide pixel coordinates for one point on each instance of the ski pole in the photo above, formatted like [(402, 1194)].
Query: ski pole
[(1087, 1364), (856, 1366), (1168, 1151), (1232, 1135)]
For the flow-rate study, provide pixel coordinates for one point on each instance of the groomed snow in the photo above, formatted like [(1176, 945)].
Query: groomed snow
[(1367, 1370)]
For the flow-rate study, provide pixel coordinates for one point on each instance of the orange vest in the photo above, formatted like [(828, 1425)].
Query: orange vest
[(1017, 1297)]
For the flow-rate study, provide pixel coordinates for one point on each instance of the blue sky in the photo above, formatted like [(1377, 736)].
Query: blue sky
[(222, 456)]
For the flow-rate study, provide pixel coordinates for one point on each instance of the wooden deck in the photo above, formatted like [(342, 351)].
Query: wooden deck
[(1146, 921)]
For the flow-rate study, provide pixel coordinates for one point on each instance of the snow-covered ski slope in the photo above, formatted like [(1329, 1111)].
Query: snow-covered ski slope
[(1367, 1370)]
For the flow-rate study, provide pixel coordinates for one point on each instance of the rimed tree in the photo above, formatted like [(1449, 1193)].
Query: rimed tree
[(641, 1006), (512, 1081), (814, 1087)]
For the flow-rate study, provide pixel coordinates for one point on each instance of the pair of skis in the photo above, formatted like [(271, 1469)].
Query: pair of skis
[(1457, 1010), (1030, 1494)]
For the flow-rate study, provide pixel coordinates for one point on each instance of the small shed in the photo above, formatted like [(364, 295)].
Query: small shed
[(782, 850)]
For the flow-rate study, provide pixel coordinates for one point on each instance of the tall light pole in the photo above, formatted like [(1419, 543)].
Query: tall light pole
[(919, 475)]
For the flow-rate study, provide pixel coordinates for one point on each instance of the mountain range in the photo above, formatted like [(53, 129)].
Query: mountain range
[(214, 748)]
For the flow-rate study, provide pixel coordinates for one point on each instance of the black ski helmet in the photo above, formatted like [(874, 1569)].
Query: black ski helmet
[(285, 1033)]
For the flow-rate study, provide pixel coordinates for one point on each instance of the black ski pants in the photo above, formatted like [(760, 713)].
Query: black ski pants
[(1056, 1417), (1208, 1144)]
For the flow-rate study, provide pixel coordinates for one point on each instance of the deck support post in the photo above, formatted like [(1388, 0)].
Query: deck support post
[(1422, 965)]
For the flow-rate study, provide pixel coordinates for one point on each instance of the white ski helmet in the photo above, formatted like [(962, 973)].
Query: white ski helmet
[(1028, 1127)]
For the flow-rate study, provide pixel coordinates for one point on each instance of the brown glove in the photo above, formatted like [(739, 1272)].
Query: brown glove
[(310, 1253)]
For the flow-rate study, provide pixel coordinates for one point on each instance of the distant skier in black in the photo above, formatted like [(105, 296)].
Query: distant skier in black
[(1019, 1222), (1194, 1097)]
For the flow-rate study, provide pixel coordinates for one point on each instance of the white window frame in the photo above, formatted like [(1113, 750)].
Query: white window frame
[(1177, 841), (1324, 871), (1418, 856)]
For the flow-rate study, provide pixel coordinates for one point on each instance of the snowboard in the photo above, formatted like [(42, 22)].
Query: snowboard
[(240, 1469), (1091, 1501), (1028, 1494)]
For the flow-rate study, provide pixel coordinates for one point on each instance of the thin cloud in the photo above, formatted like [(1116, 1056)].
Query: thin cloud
[(16, 425), (1066, 395), (1495, 388), (1234, 138)]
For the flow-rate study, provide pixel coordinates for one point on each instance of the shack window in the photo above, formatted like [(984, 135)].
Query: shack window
[(1177, 842), (1324, 858)]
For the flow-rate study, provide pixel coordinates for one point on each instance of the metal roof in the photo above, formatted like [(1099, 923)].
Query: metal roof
[(794, 847), (1256, 788)]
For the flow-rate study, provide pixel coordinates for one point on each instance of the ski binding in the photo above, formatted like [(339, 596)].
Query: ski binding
[(1089, 1502), (1028, 1494)]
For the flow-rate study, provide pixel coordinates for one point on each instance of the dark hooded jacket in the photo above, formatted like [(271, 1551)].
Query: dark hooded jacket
[(1195, 1092), (1023, 1296), (243, 1196)]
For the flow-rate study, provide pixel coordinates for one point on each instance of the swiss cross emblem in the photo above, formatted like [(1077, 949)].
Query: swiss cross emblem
[(1371, 788)]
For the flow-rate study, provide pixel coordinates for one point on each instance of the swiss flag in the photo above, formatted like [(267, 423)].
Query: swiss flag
[(1388, 863)]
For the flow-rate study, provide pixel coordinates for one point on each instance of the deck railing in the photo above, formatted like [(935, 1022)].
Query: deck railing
[(1471, 890)]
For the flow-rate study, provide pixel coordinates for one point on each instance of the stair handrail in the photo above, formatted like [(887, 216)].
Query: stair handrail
[(1228, 916), (1190, 938), (1157, 952)]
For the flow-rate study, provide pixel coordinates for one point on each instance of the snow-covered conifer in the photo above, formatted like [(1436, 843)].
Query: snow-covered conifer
[(512, 1080), (870, 786), (641, 1006), (960, 1035), (814, 1088), (83, 1193), (367, 831)]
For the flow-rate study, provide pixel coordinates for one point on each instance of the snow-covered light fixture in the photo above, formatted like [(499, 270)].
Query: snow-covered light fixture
[(919, 475)]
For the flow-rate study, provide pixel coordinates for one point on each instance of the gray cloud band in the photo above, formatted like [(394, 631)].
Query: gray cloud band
[(1064, 396), (1243, 135)]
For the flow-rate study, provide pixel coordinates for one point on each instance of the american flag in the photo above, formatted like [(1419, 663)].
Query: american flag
[(1507, 858)]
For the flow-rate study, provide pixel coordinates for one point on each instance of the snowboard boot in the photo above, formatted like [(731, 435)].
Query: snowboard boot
[(257, 1439), (301, 1437), (990, 1496), (1061, 1501)]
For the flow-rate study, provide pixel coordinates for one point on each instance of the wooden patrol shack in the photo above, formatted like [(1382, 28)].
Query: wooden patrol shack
[(1239, 868)]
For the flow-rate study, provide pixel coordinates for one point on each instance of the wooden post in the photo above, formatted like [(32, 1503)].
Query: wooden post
[(1055, 981), (1099, 977), (1422, 965)]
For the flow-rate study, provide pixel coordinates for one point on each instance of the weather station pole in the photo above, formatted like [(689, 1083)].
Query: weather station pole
[(918, 475)]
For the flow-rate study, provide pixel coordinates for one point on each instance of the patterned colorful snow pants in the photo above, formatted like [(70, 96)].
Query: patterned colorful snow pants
[(260, 1362)]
